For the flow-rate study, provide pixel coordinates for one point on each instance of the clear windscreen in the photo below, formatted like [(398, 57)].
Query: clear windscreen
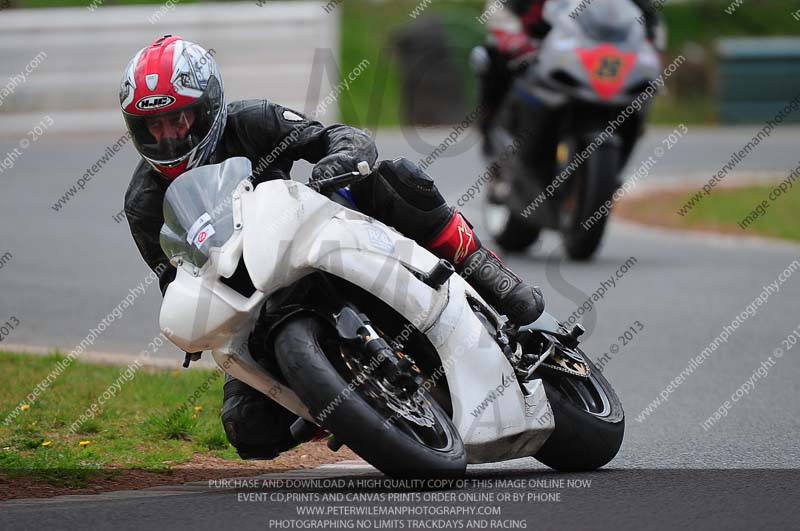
[(198, 213)]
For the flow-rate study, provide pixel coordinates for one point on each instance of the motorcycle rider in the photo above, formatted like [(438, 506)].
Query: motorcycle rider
[(173, 104), (516, 27)]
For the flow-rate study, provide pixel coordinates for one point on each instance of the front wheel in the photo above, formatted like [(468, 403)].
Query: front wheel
[(581, 244), (589, 420), (401, 434)]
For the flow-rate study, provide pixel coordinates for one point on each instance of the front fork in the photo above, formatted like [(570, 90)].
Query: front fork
[(356, 329)]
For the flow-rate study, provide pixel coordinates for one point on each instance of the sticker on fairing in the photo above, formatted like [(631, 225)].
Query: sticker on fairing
[(380, 240), (204, 234), (196, 226)]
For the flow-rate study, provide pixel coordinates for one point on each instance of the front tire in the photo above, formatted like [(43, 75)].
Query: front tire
[(590, 423), (388, 446), (582, 244)]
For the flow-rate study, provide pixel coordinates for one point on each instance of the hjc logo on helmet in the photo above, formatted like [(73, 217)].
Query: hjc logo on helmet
[(154, 102)]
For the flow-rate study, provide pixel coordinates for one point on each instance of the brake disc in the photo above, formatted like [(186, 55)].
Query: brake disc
[(414, 408)]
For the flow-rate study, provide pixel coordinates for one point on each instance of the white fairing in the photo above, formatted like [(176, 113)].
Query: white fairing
[(289, 231), (219, 312), (312, 233)]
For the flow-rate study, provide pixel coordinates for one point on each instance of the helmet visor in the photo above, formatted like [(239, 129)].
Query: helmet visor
[(170, 136)]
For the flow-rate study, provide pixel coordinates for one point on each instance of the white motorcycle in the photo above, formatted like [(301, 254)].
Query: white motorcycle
[(357, 329)]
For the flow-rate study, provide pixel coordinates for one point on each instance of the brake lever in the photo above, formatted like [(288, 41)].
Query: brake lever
[(340, 181)]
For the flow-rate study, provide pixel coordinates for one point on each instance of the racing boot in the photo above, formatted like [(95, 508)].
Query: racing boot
[(486, 273)]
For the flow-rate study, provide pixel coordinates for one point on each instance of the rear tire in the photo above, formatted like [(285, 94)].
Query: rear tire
[(582, 441), (354, 421), (516, 237), (511, 233)]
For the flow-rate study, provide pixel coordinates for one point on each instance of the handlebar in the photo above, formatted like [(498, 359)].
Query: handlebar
[(340, 181)]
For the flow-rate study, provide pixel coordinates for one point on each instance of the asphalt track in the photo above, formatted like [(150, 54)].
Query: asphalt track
[(70, 268)]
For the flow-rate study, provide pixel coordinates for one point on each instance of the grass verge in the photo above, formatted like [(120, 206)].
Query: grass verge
[(722, 211), (144, 429)]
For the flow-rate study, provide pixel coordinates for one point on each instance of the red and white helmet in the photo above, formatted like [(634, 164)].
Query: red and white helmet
[(173, 103)]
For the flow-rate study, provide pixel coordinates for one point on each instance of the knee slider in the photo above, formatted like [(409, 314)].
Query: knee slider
[(406, 198), (257, 426), (411, 183)]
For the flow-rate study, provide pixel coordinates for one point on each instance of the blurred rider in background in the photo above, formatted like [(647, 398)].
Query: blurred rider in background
[(516, 27)]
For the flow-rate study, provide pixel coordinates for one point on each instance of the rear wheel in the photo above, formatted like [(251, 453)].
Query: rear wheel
[(589, 420), (401, 433)]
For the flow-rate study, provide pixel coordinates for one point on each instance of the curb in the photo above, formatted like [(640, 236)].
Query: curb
[(675, 184), (349, 468), (113, 360), (709, 235)]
